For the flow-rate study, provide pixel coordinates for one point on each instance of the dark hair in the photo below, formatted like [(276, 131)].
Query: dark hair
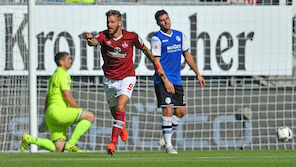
[(159, 13), (59, 56), (114, 13)]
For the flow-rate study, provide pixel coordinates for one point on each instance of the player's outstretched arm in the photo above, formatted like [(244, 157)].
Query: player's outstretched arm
[(189, 59), (91, 41), (157, 65), (70, 99), (148, 54)]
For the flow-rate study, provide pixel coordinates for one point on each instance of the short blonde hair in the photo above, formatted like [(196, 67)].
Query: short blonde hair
[(114, 13)]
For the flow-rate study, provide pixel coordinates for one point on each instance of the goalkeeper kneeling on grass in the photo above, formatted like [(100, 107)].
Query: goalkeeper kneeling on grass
[(61, 111)]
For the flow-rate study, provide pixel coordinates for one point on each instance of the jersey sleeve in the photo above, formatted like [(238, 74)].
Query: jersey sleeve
[(185, 43), (99, 37), (65, 83), (156, 46), (138, 42)]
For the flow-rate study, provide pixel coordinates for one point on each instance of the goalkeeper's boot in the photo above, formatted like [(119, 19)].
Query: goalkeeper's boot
[(111, 149), (74, 148), (123, 133), (171, 150), (25, 142), (161, 142)]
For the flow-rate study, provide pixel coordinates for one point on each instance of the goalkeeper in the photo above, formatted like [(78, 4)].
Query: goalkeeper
[(61, 111), (167, 47)]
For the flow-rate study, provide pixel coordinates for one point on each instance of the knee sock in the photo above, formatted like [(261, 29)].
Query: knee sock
[(43, 143), (79, 130), (117, 126), (167, 131), (175, 122)]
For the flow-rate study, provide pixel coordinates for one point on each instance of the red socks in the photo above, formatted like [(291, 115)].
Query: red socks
[(117, 126)]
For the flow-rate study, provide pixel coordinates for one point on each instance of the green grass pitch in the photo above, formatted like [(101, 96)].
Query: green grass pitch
[(151, 159)]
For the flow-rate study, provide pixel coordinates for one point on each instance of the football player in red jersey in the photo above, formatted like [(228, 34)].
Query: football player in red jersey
[(119, 73)]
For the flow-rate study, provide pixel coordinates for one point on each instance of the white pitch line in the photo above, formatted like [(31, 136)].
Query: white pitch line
[(162, 158)]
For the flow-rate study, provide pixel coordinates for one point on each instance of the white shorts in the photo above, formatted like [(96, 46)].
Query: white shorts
[(115, 88)]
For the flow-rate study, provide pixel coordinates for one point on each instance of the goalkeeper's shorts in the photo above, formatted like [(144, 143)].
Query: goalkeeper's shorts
[(59, 118)]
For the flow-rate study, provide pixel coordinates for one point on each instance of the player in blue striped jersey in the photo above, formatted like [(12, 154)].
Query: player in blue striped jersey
[(167, 47)]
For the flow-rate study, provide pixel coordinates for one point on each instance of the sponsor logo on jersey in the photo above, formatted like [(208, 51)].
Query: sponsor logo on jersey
[(109, 42), (68, 84), (117, 53), (166, 40), (178, 38), (174, 48), (155, 47), (117, 50), (124, 45)]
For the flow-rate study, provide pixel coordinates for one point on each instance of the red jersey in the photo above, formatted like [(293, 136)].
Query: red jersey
[(118, 54)]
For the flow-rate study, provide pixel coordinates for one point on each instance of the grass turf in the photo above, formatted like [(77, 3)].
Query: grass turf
[(151, 159)]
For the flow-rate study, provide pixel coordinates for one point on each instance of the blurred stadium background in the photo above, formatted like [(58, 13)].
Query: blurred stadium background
[(245, 49)]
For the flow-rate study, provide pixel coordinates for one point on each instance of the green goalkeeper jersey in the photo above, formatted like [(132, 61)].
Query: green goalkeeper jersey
[(58, 82)]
